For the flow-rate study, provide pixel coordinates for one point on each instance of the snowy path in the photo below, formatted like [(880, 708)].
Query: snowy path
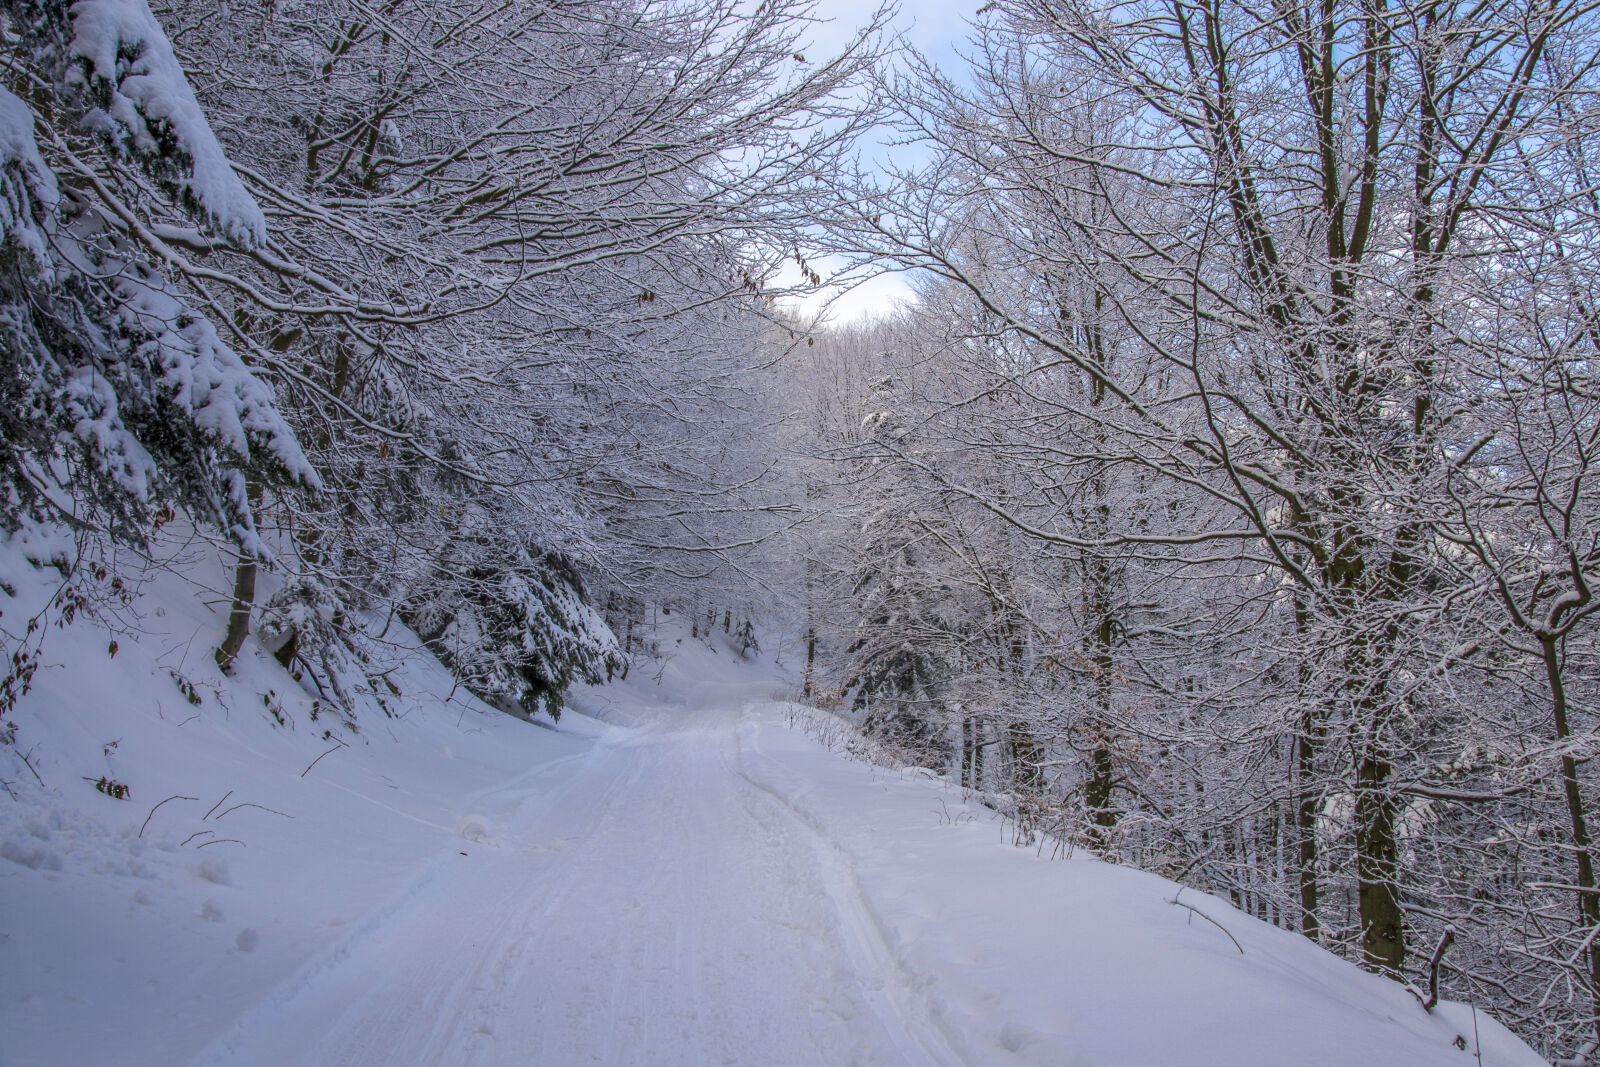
[(657, 906)]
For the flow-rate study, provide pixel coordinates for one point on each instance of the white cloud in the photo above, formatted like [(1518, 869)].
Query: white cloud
[(862, 298)]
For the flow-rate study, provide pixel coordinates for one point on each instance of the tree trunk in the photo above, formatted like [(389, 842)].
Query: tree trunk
[(811, 661), (1307, 796), (1306, 825), (978, 754), (1027, 758), (1377, 870), (1102, 768), (286, 651), (969, 752), (1582, 845), (1097, 795), (244, 595)]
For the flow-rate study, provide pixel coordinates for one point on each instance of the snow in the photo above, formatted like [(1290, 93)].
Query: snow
[(37, 189), (190, 368), (679, 873), (162, 351), (123, 55), (91, 401), (1031, 960), (204, 377)]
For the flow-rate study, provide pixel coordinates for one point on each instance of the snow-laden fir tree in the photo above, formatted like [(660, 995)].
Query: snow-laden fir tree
[(512, 622), (118, 398)]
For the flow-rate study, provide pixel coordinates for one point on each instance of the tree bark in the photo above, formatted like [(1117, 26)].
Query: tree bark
[(1377, 870), (1582, 844), (1027, 757), (244, 596), (811, 661), (1306, 828)]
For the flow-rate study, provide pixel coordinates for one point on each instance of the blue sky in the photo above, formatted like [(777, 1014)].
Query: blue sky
[(933, 27)]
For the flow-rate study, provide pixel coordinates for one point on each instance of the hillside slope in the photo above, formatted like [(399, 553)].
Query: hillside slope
[(672, 875)]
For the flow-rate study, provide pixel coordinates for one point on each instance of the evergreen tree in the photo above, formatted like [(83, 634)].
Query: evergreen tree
[(118, 399)]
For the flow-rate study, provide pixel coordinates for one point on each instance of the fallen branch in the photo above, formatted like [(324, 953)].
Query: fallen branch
[(28, 764), (1196, 911), (263, 807), (217, 805), (147, 818), (318, 760)]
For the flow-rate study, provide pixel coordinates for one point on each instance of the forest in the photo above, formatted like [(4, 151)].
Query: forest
[(1224, 505)]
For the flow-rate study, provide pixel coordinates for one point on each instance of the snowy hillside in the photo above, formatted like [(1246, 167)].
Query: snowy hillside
[(673, 875)]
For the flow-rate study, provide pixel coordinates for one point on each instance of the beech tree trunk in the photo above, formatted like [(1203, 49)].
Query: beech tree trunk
[(244, 595), (811, 659), (1377, 870), (1582, 844)]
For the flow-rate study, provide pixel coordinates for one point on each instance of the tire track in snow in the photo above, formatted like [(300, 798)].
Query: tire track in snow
[(302, 999), (492, 910), (677, 912), (903, 1005)]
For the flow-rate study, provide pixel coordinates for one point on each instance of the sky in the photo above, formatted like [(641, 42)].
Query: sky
[(933, 27)]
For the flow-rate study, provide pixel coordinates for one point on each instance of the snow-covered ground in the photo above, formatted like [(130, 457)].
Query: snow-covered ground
[(673, 875)]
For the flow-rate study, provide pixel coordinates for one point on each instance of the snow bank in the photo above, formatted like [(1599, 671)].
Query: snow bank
[(257, 832), (1029, 960)]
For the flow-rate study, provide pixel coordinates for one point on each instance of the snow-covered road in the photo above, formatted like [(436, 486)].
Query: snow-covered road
[(654, 905)]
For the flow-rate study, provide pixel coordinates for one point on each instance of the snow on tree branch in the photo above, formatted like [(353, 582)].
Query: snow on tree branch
[(116, 64), (27, 185)]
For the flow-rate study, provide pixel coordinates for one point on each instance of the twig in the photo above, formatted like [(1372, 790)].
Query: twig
[(1579, 1058), (263, 807), (29, 765), (315, 680), (194, 835), (1196, 911), (188, 645), (217, 805), (318, 760), (1433, 968), (147, 818), (222, 841)]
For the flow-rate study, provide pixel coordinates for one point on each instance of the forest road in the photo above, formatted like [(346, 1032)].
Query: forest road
[(655, 904)]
